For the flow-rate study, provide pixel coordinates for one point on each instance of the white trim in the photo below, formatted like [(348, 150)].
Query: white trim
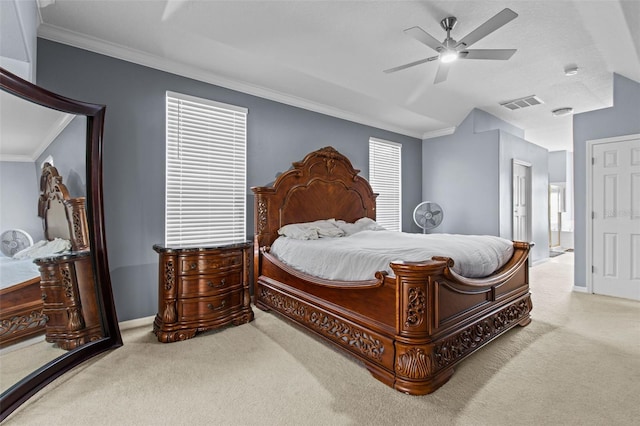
[(92, 44), (589, 205), (396, 144), (209, 102), (579, 289), (17, 158), (437, 133), (137, 322), (529, 167), (522, 163)]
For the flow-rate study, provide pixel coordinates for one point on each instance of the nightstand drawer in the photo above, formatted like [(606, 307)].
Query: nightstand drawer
[(54, 297), (208, 307), (210, 285), (201, 263)]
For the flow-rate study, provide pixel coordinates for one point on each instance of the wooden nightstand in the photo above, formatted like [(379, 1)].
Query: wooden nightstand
[(69, 299), (202, 288)]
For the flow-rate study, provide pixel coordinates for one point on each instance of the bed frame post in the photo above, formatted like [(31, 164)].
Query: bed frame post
[(414, 365)]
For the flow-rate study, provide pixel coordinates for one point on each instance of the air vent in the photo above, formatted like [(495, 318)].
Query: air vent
[(520, 103)]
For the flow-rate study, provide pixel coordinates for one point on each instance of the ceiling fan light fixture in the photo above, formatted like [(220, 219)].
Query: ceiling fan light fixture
[(448, 56)]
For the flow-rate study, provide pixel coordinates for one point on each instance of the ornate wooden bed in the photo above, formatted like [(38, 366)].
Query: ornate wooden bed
[(21, 305), (410, 330)]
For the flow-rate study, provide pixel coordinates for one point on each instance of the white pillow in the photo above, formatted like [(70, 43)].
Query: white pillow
[(298, 231), (369, 224), (325, 228), (362, 224), (44, 249), (350, 228)]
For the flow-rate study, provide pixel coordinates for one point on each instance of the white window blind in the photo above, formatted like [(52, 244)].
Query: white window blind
[(206, 172), (385, 178)]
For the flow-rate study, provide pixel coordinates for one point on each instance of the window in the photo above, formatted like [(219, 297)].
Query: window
[(206, 172), (385, 179)]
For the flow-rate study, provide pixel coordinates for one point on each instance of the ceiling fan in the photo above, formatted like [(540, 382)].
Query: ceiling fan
[(450, 50)]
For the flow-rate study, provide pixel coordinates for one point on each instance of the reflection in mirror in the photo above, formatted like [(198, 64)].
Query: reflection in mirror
[(29, 134), (58, 310)]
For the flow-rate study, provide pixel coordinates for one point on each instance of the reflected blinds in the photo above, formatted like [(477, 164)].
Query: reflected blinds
[(385, 178), (206, 172)]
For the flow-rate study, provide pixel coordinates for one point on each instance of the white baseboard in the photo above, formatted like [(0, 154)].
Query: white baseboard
[(138, 322), (580, 289)]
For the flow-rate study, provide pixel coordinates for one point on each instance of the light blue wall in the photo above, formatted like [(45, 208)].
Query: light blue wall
[(19, 189), (558, 166), (513, 147), (134, 154), (20, 181), (469, 174), (69, 154), (461, 174), (623, 118)]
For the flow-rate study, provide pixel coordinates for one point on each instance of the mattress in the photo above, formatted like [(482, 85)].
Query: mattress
[(14, 271), (359, 256)]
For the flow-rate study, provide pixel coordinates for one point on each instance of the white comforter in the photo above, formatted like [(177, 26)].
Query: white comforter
[(14, 271), (359, 256)]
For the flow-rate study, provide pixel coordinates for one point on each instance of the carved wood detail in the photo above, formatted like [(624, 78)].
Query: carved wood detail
[(201, 288), (396, 328), (416, 308), (262, 215), (72, 319), (22, 322), (415, 363), (474, 336), (349, 335), (169, 274)]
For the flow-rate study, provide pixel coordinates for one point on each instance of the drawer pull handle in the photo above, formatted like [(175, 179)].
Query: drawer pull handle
[(213, 308), (44, 296), (212, 285), (194, 265)]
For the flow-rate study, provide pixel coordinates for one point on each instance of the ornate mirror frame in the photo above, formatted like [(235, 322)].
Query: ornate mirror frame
[(24, 389)]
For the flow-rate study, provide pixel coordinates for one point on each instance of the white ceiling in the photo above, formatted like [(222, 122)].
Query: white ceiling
[(42, 126), (328, 56)]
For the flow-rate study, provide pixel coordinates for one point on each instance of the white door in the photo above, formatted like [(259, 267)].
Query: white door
[(555, 216), (521, 200), (616, 218)]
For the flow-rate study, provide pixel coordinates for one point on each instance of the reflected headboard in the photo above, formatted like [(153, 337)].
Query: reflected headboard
[(64, 217)]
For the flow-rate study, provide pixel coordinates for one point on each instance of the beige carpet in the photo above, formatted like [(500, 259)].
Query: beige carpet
[(577, 363)]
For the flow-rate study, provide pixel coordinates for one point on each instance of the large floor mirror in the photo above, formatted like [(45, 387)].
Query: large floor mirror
[(51, 218)]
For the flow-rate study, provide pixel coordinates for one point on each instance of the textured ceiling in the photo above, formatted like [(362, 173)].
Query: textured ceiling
[(328, 56)]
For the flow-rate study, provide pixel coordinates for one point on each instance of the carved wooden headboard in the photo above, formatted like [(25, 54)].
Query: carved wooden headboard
[(63, 217), (322, 186)]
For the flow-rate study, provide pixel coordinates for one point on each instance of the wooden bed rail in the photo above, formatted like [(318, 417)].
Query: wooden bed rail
[(352, 285)]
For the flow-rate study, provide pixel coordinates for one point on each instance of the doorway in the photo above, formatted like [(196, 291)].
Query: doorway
[(556, 208), (613, 226), (521, 223)]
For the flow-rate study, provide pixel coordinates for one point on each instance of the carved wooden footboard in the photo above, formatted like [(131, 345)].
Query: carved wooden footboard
[(411, 329)]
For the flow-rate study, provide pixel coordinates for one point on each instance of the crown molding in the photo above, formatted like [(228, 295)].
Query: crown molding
[(437, 133), (92, 44), (16, 158)]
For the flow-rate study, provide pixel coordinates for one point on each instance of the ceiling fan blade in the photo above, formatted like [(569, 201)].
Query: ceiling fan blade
[(497, 54), (441, 74), (503, 17), (401, 67), (423, 37)]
